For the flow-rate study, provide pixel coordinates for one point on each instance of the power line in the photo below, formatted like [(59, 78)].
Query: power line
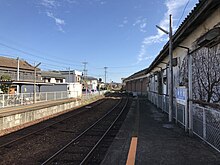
[(57, 67), (183, 12), (105, 72), (33, 55), (131, 66), (43, 65), (52, 63), (85, 70), (10, 47), (118, 72), (19, 50), (118, 67), (7, 55)]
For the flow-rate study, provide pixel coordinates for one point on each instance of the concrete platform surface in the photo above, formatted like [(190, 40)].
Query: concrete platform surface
[(159, 142), (21, 108)]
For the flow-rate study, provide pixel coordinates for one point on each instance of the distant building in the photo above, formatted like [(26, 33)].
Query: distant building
[(114, 85), (72, 76), (102, 86), (137, 82), (10, 67), (17, 70), (90, 83), (52, 77)]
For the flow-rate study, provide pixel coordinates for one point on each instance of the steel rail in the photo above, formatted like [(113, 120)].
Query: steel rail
[(34, 132), (50, 159), (95, 146)]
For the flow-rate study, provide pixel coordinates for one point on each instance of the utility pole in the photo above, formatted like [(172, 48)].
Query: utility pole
[(170, 79), (35, 73), (69, 76), (105, 72), (18, 74), (171, 71), (85, 75), (84, 70)]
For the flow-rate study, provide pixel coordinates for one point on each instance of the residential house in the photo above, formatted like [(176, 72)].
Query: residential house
[(18, 70), (72, 76), (52, 77), (90, 83)]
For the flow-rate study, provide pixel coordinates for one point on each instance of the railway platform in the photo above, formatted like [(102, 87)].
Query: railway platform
[(158, 141), (20, 108), (16, 117)]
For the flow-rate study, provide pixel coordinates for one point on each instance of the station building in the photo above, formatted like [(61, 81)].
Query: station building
[(199, 36)]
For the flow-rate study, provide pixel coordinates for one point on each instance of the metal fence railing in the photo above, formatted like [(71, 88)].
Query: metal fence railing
[(162, 102), (86, 96), (180, 109), (206, 121), (206, 125), (9, 100)]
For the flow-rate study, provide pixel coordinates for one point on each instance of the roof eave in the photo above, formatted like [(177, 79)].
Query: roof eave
[(193, 19)]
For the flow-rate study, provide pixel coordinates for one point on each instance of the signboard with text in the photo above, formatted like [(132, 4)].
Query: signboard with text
[(181, 95)]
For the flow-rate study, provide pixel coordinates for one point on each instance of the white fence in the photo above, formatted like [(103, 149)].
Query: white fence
[(9, 100), (206, 121)]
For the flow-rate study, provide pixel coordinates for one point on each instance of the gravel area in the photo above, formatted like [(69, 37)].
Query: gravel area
[(19, 127), (34, 149)]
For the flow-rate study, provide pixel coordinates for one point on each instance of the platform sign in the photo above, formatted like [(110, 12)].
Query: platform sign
[(181, 95)]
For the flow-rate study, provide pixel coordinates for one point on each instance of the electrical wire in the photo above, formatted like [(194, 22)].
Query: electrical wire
[(117, 67), (57, 65), (183, 13), (36, 56)]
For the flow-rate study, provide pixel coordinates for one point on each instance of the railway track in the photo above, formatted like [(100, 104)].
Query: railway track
[(80, 149), (34, 145), (51, 123)]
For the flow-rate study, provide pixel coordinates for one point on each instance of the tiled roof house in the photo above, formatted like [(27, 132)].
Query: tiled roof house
[(9, 66)]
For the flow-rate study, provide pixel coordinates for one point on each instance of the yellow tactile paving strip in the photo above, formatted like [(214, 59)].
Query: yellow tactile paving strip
[(132, 151)]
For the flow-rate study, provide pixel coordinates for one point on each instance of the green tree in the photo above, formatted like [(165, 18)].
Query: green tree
[(5, 87)]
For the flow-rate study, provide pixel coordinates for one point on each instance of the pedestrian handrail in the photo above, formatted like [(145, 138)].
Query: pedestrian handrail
[(206, 120), (9, 100)]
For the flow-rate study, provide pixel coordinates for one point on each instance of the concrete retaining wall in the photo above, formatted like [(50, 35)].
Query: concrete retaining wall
[(17, 119)]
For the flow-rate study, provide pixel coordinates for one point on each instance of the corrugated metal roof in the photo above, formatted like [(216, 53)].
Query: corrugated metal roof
[(198, 14)]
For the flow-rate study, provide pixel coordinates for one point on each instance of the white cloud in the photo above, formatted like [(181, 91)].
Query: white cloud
[(158, 38), (173, 7), (95, 2), (142, 54), (50, 8), (141, 23), (71, 1), (59, 22), (49, 3), (102, 2), (124, 22)]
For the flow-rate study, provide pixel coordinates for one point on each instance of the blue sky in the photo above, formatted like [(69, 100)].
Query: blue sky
[(61, 34)]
